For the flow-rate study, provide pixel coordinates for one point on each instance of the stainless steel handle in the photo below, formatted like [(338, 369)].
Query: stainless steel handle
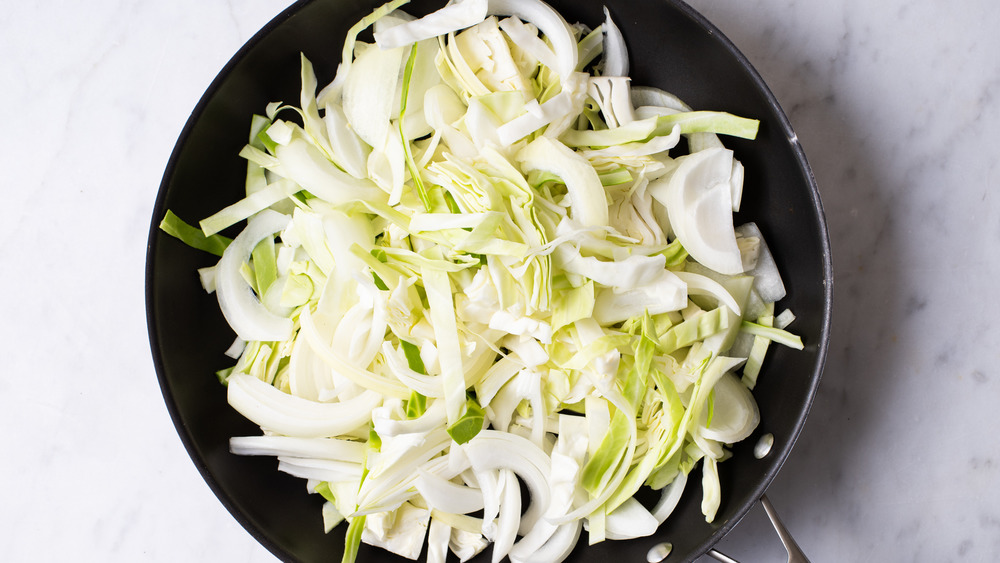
[(795, 554), (716, 554)]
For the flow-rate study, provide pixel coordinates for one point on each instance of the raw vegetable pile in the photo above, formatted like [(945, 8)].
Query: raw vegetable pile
[(479, 258)]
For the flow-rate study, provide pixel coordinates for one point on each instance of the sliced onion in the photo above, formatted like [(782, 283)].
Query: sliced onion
[(496, 377), (362, 377), (528, 41), (510, 515), (615, 52), (319, 448), (438, 536), (668, 293), (669, 498), (304, 379), (630, 520), (556, 548), (647, 96), (286, 414), (698, 198), (466, 545), (549, 22), (236, 349), (303, 163), (735, 414), (766, 277), (241, 308), (369, 93), (350, 151), (491, 449), (489, 484), (446, 496), (392, 475), (545, 541), (632, 272), (698, 284), (329, 470), (426, 385), (433, 417)]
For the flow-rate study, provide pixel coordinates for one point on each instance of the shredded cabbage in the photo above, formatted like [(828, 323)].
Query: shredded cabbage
[(469, 262)]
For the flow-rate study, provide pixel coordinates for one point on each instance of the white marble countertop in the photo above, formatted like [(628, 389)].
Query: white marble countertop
[(896, 103)]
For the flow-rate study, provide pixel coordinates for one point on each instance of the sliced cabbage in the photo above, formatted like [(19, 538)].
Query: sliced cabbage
[(453, 17)]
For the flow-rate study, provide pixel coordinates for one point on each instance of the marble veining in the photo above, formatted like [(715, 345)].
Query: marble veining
[(894, 102)]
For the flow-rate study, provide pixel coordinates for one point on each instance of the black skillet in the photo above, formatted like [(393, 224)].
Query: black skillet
[(671, 47)]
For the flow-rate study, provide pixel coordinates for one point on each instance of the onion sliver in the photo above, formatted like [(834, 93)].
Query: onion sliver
[(630, 520), (446, 496), (669, 497), (735, 415), (615, 52), (549, 22), (510, 515), (491, 449), (320, 469), (242, 309), (699, 202), (285, 414), (318, 448)]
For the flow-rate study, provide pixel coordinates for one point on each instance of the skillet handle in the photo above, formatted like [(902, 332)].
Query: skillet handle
[(795, 554)]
